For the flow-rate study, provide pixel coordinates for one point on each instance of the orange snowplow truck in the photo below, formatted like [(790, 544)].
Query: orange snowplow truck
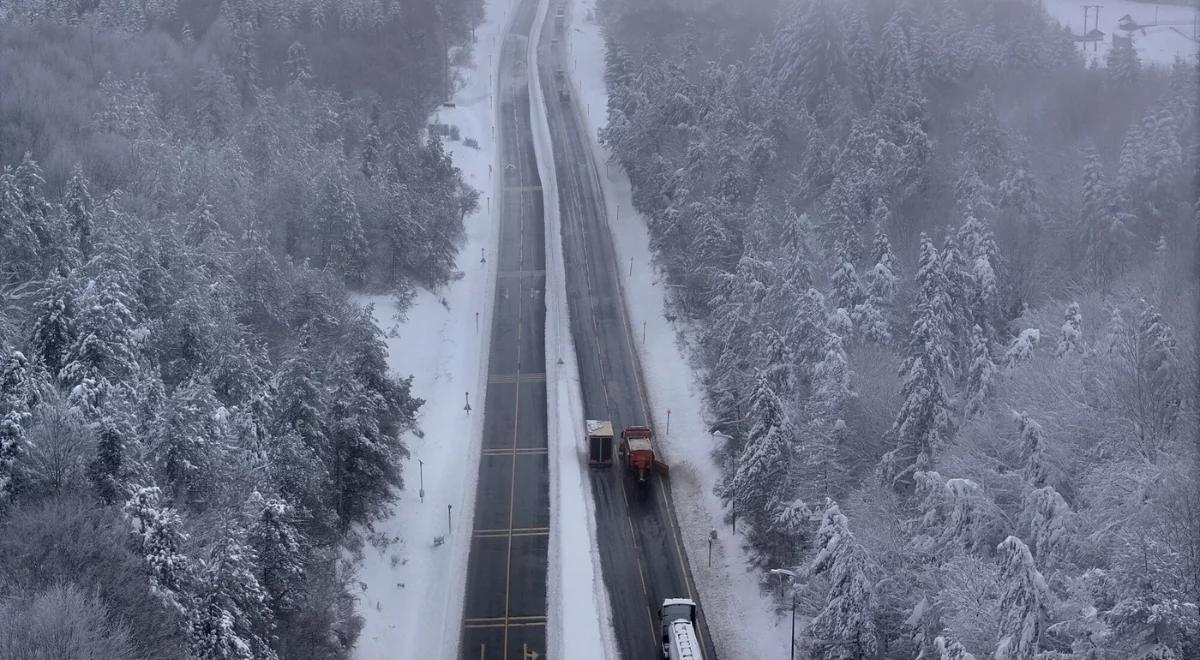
[(638, 452)]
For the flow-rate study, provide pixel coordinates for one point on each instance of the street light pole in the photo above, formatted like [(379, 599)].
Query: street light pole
[(793, 640), (782, 573), (421, 464)]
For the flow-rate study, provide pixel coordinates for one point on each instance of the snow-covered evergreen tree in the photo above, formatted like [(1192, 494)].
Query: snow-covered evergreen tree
[(298, 66), (17, 393), (847, 290), (845, 628), (950, 649), (230, 619), (1048, 518), (922, 424), (981, 374), (279, 546), (1021, 348), (1024, 602), (1070, 338), (1103, 227), (958, 515), (880, 293), (156, 528), (1157, 374), (1039, 469), (1123, 64), (760, 485)]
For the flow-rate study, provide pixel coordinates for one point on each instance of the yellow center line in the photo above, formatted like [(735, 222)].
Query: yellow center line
[(523, 451), (512, 486)]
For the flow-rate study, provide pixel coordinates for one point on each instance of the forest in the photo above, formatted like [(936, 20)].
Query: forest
[(197, 424), (940, 281)]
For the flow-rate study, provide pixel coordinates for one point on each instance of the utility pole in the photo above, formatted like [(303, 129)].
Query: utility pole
[(1095, 22)]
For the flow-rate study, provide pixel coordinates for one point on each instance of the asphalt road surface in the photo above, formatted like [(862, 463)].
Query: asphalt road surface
[(640, 548), (505, 605)]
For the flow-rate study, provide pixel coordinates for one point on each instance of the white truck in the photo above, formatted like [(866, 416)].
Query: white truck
[(678, 619)]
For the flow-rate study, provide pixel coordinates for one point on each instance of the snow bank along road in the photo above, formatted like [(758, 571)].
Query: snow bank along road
[(504, 613), (639, 542)]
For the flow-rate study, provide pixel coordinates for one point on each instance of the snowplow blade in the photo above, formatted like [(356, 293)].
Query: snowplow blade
[(662, 468)]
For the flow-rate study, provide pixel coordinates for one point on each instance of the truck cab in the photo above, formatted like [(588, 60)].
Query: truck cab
[(677, 617)]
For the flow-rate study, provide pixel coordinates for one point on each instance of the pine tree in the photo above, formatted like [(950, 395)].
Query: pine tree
[(157, 530), (1117, 334), (1023, 604), (279, 546), (845, 627), (831, 376), (189, 439), (16, 396), (1039, 470), (1069, 336), (959, 303), (78, 205), (860, 56), (298, 66), (54, 322), (1157, 381), (981, 374), (922, 424), (299, 401), (983, 256), (949, 649), (1022, 346), (105, 346), (847, 291), (760, 485), (23, 229), (880, 290), (1103, 227), (338, 222), (1122, 64), (230, 619), (958, 515), (809, 54), (108, 471), (821, 438), (1048, 518)]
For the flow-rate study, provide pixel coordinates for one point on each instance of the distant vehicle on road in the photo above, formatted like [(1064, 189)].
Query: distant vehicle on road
[(678, 619), (637, 452), (600, 442)]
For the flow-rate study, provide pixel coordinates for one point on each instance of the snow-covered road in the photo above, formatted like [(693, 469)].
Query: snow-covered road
[(743, 622)]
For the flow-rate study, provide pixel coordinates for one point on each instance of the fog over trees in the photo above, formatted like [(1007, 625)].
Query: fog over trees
[(942, 279), (939, 277), (195, 421)]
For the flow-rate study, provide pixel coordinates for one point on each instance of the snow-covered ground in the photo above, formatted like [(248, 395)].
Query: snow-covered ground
[(1171, 35), (743, 622), (412, 590), (579, 618)]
